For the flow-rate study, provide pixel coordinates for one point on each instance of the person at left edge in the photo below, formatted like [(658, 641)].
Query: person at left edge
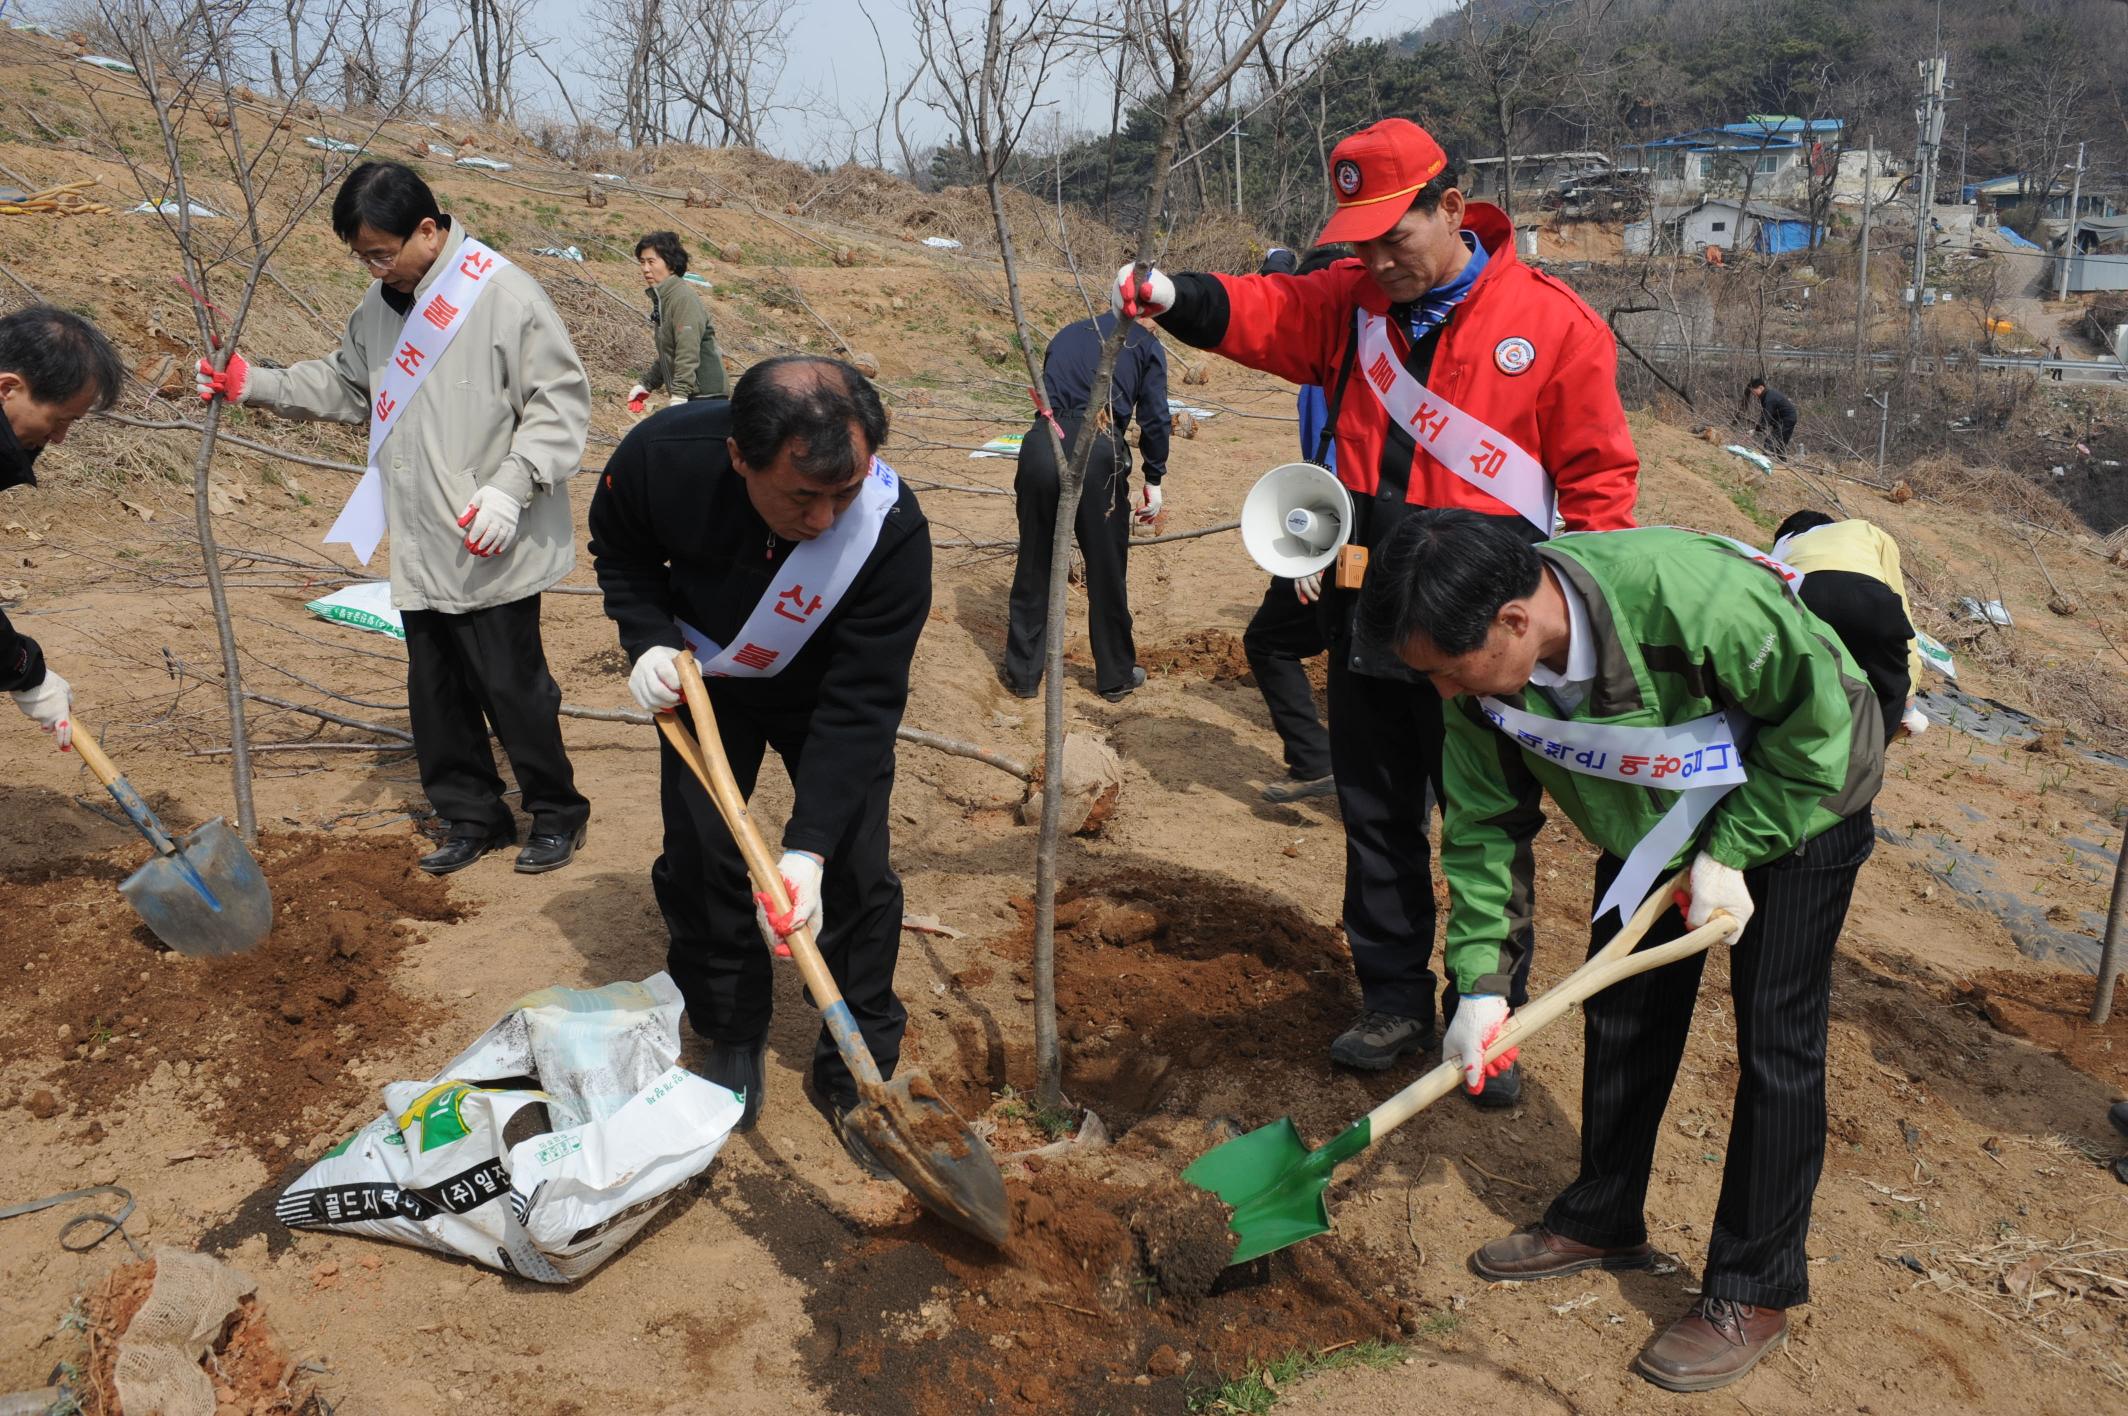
[(475, 487), (695, 524), (55, 368)]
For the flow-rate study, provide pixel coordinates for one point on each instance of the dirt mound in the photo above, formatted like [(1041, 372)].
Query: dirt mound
[(254, 1039), (251, 1372), (1076, 1313), (2054, 1010), (1163, 975), (1213, 655)]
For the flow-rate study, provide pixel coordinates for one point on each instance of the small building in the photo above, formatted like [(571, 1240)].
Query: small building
[(1775, 154), (2098, 254), (1536, 171), (2014, 192), (1734, 226)]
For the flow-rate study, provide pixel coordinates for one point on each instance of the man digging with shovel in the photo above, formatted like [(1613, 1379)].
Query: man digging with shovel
[(764, 535), (1671, 693)]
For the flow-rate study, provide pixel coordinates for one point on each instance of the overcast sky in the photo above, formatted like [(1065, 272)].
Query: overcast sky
[(835, 64)]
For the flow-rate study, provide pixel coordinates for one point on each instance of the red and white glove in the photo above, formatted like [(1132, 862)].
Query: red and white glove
[(50, 706), (801, 881), (1715, 886), (490, 522), (1308, 588), (637, 398), (1136, 298), (1478, 1020), (1149, 500), (230, 383)]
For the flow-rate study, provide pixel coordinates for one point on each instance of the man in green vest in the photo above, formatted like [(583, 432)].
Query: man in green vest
[(1638, 676)]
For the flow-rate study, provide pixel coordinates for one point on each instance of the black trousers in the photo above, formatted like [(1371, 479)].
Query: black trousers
[(1281, 634), (716, 954), (1103, 531), (1385, 746), (1780, 982), (466, 672), (1778, 429)]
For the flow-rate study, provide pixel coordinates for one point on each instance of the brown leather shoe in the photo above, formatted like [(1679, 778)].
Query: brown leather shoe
[(1713, 1345), (1536, 1252)]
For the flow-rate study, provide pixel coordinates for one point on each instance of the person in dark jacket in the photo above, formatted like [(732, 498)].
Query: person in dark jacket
[(1777, 416), (1105, 508), (765, 535), (689, 364), (55, 369), (1288, 627)]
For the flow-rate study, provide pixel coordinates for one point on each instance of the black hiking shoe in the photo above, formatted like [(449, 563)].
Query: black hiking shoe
[(1137, 681), (460, 851), (738, 1068), (1500, 1092), (1377, 1039)]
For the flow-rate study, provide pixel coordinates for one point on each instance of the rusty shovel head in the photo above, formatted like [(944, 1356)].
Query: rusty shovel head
[(927, 1146), (207, 898)]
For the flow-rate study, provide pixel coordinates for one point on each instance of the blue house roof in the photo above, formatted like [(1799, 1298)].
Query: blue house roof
[(1770, 135)]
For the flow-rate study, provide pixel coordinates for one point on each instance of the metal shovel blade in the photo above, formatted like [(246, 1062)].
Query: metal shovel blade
[(927, 1146), (208, 898), (1274, 1184)]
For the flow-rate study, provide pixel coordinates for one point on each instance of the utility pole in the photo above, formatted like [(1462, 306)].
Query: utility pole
[(1869, 186), (1965, 131), (1929, 118), (2076, 195), (1884, 424), (1237, 167)]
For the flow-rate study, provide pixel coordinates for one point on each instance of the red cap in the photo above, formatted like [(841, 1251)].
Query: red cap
[(1374, 175)]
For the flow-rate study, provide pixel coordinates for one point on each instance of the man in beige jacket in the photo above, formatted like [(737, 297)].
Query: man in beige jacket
[(474, 473)]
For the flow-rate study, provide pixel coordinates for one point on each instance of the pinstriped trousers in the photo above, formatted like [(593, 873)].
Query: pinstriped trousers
[(1780, 981)]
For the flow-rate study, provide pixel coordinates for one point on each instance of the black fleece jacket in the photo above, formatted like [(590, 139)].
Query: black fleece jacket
[(674, 534), (21, 661)]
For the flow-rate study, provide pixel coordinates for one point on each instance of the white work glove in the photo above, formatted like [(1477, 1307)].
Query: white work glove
[(674, 402), (49, 705), (654, 682), (490, 522), (1133, 299), (1479, 1016), (637, 393), (1715, 886), (801, 881), (1148, 504), (1309, 588), (1914, 721)]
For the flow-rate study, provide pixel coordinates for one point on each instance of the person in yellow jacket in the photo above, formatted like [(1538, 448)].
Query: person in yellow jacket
[(1851, 581)]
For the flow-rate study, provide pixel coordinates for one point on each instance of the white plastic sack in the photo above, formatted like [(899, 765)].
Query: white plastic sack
[(542, 1148), (365, 606)]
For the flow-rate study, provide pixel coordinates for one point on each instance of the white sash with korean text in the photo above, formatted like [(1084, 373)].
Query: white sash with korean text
[(429, 329), (1701, 760), (1470, 448), (805, 591)]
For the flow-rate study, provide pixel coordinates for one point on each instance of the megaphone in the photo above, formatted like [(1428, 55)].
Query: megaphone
[(1295, 519)]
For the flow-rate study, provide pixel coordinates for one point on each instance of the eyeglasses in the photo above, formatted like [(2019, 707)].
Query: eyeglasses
[(378, 260)]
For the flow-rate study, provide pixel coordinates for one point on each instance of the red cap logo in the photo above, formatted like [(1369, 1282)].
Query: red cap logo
[(1348, 177)]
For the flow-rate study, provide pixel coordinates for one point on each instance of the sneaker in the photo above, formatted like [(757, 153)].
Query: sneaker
[(739, 1068), (1377, 1039), (1137, 681), (1301, 788), (867, 1160)]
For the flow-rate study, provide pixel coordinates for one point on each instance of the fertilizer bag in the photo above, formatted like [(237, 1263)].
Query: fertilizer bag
[(539, 1150)]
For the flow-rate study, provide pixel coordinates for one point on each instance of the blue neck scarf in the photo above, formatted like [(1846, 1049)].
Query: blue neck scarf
[(1430, 311)]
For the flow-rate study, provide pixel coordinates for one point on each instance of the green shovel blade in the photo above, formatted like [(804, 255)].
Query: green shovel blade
[(1274, 1184)]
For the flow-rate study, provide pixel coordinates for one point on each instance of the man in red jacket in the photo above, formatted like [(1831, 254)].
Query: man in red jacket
[(1457, 377)]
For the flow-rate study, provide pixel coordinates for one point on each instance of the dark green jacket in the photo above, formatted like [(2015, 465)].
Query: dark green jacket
[(1685, 626), (689, 364)]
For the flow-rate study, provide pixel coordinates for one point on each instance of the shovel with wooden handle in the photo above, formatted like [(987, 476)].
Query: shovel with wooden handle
[(201, 893), (1275, 1185), (907, 1124)]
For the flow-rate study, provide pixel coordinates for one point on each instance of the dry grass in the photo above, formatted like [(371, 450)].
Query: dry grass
[(2068, 1297)]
